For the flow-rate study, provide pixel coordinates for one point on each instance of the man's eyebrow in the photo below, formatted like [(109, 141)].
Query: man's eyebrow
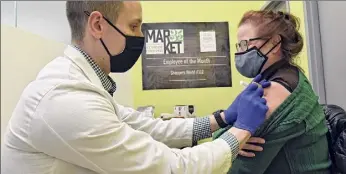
[(138, 20)]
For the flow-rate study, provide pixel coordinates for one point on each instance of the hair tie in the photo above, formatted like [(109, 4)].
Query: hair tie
[(284, 15), (287, 17)]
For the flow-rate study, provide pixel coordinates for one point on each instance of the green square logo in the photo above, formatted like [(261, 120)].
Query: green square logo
[(176, 35)]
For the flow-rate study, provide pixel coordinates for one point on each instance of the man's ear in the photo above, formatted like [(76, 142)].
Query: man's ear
[(96, 24)]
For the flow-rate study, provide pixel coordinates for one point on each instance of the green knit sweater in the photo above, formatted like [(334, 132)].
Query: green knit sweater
[(295, 137)]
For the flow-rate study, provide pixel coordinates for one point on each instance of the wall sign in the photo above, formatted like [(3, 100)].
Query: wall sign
[(186, 55)]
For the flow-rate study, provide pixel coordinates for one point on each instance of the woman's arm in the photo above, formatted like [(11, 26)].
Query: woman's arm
[(275, 95), (274, 143)]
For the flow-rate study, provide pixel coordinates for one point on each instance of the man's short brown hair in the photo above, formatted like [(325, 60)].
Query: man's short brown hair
[(75, 12)]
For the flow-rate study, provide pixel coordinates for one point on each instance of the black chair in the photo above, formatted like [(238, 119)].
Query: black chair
[(336, 120)]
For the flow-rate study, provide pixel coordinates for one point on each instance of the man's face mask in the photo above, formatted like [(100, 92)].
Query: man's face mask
[(249, 63), (128, 57)]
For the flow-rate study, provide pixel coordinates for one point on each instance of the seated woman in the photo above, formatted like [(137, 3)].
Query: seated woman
[(295, 129)]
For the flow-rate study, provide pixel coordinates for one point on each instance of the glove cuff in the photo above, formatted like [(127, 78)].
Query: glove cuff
[(244, 127), (230, 117)]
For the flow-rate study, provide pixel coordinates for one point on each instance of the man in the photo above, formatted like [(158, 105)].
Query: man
[(67, 122)]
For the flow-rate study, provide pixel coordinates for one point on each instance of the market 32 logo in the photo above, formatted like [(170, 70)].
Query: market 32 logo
[(164, 41)]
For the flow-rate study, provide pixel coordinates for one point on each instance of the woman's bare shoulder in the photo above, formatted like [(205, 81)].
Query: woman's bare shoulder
[(275, 95)]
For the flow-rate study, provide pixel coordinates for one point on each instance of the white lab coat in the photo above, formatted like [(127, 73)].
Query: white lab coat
[(66, 123)]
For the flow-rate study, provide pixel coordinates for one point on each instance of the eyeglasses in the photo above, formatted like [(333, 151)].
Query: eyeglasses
[(243, 45)]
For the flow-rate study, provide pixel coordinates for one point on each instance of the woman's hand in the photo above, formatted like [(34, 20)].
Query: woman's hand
[(249, 146)]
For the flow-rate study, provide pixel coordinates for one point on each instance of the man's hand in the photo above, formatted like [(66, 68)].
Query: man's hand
[(250, 146), (252, 108), (231, 112)]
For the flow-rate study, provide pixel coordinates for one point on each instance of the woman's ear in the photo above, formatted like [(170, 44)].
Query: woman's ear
[(276, 41)]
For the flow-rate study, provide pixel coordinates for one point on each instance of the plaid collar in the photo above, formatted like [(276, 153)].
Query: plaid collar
[(107, 82)]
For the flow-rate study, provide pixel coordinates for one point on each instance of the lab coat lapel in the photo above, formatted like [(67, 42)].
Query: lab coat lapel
[(73, 54)]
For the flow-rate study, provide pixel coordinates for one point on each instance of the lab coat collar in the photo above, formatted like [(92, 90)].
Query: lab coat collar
[(78, 58)]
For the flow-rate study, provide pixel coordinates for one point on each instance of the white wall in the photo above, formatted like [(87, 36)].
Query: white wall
[(22, 56), (124, 94), (45, 18), (8, 13), (333, 37)]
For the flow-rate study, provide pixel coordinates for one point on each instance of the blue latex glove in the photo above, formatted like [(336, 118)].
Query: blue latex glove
[(252, 109), (231, 112)]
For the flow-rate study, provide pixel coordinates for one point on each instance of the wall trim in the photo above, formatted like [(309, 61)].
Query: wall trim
[(273, 5), (15, 14), (314, 49)]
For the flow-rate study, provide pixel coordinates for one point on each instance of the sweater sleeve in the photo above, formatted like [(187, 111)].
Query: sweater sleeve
[(275, 141)]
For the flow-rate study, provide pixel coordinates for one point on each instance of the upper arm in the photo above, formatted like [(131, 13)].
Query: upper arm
[(275, 95), (175, 133), (79, 126)]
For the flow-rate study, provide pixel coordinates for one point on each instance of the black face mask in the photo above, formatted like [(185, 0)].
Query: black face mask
[(128, 57)]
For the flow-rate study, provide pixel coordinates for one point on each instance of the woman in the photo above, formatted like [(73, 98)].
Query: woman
[(295, 130)]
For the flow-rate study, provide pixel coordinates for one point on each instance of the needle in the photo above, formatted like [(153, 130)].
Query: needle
[(244, 84)]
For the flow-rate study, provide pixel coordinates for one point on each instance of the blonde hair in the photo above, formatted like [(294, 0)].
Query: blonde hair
[(75, 12)]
